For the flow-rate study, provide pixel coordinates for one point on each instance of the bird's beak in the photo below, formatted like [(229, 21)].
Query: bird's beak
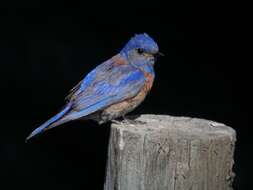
[(158, 54)]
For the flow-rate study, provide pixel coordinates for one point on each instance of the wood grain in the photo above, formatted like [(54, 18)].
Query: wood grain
[(170, 153)]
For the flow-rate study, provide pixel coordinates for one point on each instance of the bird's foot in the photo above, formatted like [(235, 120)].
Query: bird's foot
[(116, 121), (126, 120), (129, 120), (133, 122)]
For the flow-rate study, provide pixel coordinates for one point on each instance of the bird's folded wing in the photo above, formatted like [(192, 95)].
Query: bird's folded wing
[(109, 87), (94, 75)]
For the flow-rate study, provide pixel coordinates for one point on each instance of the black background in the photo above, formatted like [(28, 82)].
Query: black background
[(47, 47)]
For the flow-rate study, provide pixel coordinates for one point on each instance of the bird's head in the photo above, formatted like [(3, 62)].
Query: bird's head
[(141, 48)]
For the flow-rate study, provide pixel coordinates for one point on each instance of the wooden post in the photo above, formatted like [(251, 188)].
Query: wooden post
[(170, 153)]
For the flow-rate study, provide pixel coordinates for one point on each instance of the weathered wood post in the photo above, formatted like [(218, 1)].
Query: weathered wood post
[(170, 153)]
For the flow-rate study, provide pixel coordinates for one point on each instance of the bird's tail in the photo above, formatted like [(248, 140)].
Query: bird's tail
[(51, 122)]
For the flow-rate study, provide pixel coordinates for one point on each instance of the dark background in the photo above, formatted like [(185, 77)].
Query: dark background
[(47, 47)]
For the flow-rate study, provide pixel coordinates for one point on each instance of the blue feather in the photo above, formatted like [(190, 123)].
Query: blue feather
[(44, 126)]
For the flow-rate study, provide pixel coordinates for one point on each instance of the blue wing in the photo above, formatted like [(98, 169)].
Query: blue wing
[(107, 88)]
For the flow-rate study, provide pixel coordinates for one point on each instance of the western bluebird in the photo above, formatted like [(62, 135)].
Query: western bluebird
[(113, 88)]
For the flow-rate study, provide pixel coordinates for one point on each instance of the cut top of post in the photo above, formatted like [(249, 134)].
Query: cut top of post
[(185, 126)]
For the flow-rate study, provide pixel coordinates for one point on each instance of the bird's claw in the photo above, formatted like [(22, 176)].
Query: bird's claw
[(116, 121), (134, 122), (128, 121)]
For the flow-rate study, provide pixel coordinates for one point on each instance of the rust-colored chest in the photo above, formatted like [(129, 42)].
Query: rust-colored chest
[(122, 108)]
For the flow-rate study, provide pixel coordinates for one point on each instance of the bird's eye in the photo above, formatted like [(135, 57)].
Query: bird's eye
[(140, 50)]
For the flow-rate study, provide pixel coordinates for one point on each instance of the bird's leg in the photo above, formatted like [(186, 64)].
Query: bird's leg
[(116, 121), (129, 120)]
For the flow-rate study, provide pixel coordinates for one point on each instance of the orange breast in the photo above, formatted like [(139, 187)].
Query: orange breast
[(149, 81), (128, 105)]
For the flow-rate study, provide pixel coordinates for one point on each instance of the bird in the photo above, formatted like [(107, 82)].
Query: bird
[(113, 88)]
